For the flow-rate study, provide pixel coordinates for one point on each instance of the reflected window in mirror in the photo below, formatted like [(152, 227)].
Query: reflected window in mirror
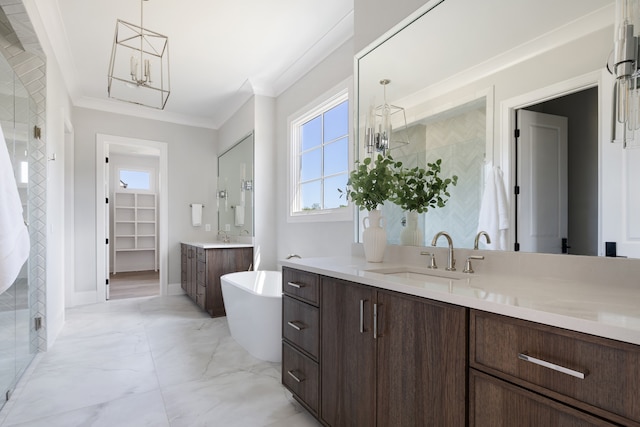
[(319, 153)]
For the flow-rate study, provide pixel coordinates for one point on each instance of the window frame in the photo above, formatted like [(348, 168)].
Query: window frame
[(321, 105)]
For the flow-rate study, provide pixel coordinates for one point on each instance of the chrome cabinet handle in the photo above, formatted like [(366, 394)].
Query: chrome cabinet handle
[(295, 285), (298, 378), (362, 301), (527, 358), (375, 321), (297, 325)]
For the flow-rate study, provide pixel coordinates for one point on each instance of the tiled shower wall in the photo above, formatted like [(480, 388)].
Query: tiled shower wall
[(19, 45)]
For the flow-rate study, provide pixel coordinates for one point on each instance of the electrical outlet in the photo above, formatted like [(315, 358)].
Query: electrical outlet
[(207, 227), (227, 227)]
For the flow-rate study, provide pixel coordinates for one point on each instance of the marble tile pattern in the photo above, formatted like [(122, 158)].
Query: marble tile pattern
[(153, 361)]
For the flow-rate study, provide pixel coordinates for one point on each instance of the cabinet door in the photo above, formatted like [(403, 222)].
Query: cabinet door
[(348, 354), (421, 376), (191, 271), (496, 403), (219, 263)]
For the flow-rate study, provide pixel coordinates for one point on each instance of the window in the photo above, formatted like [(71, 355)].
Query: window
[(320, 161), (134, 179)]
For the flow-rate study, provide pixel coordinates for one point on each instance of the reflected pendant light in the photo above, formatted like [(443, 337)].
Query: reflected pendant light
[(378, 126), (139, 65)]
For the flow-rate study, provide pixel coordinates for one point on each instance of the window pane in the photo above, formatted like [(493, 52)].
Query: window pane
[(135, 180), (310, 195), (336, 122), (336, 157), (311, 165), (311, 133), (332, 197)]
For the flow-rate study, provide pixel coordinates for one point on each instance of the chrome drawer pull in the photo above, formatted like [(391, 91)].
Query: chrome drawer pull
[(293, 375), (553, 366), (375, 321), (296, 285), (295, 325), (362, 301)]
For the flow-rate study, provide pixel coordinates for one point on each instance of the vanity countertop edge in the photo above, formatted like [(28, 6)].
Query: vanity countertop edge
[(218, 245), (607, 310)]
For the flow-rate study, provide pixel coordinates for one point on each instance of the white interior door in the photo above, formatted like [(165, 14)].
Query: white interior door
[(542, 178)]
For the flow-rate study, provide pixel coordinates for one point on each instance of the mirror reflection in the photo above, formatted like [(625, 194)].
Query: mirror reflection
[(234, 192), (466, 89)]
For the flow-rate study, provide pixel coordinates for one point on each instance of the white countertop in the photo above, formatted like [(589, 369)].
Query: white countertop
[(218, 245), (610, 310)]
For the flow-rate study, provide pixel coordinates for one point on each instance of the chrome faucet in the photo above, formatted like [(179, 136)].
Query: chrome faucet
[(477, 240), (451, 263), (225, 236), (293, 256)]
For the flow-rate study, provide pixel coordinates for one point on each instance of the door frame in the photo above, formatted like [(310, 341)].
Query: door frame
[(102, 151), (508, 109)]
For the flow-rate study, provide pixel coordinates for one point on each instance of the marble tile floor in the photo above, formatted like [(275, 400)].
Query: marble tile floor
[(153, 361)]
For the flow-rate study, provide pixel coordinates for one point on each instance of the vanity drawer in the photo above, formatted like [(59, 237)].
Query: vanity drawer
[(300, 325), (301, 284), (300, 376), (589, 372), (201, 254)]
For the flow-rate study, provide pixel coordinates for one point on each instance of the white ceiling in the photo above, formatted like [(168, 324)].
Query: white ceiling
[(220, 51)]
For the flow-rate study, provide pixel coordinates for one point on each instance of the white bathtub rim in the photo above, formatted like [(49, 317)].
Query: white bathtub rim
[(230, 279)]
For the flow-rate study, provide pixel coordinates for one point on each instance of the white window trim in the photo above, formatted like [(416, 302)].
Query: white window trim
[(301, 116)]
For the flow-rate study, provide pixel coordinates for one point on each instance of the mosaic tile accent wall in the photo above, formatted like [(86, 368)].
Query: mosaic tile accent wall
[(460, 142), (19, 45)]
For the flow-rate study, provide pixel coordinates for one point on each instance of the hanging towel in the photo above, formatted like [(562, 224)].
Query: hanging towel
[(239, 216), (494, 209), (14, 236), (196, 214)]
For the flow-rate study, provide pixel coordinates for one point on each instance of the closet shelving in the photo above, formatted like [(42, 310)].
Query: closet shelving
[(135, 225)]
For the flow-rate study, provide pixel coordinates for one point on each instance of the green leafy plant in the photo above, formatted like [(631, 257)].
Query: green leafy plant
[(420, 189), (371, 183)]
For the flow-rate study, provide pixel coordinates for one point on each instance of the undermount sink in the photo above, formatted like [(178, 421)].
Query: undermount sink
[(417, 273)]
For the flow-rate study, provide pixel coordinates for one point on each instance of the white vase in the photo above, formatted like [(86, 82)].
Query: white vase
[(374, 236), (411, 234)]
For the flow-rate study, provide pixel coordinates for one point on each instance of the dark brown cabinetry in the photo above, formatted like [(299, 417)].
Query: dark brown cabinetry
[(384, 358), (595, 375), (390, 359), (301, 337), (497, 403), (201, 271)]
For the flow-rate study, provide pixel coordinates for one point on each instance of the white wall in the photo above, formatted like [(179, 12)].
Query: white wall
[(318, 238), (58, 113), (373, 18), (192, 172)]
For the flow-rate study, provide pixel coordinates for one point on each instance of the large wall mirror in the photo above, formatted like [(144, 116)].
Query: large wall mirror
[(468, 74), (234, 192)]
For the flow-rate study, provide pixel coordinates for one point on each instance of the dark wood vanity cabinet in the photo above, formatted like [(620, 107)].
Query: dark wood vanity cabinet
[(357, 355), (597, 380), (201, 271), (390, 359), (384, 358), (301, 337)]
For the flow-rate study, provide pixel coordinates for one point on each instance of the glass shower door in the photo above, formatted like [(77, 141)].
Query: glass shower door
[(16, 331)]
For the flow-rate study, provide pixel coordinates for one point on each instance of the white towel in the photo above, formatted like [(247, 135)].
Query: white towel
[(14, 236), (196, 214), (239, 216), (494, 209)]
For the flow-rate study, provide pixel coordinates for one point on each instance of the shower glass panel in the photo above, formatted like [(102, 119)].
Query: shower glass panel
[(16, 119)]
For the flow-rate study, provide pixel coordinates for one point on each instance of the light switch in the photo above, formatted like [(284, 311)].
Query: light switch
[(207, 227)]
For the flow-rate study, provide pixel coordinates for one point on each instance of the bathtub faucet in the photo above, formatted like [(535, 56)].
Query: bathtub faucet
[(293, 256)]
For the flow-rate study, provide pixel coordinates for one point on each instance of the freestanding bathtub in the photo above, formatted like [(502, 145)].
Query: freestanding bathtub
[(253, 302)]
